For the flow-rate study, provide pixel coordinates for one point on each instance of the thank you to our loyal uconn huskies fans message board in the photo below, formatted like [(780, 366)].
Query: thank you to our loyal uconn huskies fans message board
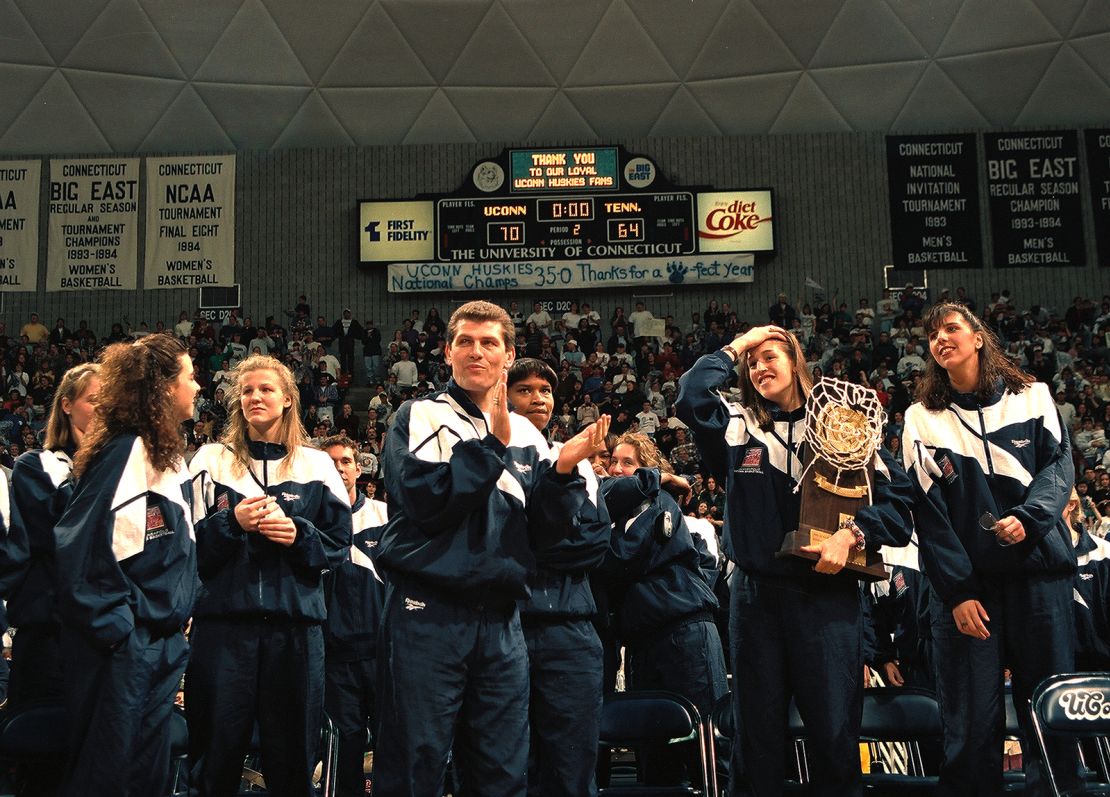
[(566, 219)]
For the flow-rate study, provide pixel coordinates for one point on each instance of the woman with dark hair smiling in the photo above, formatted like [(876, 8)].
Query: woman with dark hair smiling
[(992, 469), (126, 555)]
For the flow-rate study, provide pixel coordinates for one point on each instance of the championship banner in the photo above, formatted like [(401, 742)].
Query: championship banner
[(93, 223), (559, 274), (1098, 163), (19, 225), (190, 221)]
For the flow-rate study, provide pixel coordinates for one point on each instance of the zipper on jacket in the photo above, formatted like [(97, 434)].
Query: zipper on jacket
[(986, 445), (790, 450)]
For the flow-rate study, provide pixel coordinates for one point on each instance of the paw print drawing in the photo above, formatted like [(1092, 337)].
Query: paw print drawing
[(677, 271)]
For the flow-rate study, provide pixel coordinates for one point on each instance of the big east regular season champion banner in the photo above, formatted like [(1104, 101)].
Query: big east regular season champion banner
[(190, 221), (93, 225)]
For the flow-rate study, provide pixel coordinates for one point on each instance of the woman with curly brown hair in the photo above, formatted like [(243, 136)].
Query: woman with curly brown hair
[(991, 465), (272, 517), (126, 564)]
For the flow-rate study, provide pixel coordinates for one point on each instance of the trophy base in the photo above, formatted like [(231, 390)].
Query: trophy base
[(864, 565)]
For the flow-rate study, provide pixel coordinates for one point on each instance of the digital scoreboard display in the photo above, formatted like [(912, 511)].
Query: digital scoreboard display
[(563, 170), (566, 227)]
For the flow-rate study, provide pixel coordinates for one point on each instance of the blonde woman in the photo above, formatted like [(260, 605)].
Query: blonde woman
[(273, 515)]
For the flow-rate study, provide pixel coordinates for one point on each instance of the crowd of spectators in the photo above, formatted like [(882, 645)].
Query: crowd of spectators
[(625, 365)]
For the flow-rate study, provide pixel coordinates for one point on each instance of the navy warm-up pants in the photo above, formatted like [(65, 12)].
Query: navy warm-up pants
[(269, 670), (565, 666), (119, 704), (800, 639), (1031, 633), (444, 666), (349, 701)]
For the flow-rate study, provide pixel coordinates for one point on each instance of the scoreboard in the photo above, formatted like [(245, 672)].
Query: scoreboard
[(565, 227), (566, 218)]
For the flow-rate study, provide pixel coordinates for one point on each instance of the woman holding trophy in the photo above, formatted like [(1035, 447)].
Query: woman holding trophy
[(795, 624), (992, 469)]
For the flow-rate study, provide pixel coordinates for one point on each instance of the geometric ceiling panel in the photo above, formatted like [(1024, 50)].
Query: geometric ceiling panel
[(383, 115), (746, 105), (438, 44), (190, 30), (928, 22), (314, 121), (492, 113), (376, 54), (122, 123), (253, 50), (743, 44), (936, 90), (187, 112), (1068, 89), (636, 60), (1061, 13), (253, 116), (1094, 19), (869, 97), (558, 30), (123, 40), (684, 116), (54, 121), (18, 86), (1000, 103), (1095, 50), (864, 32), (21, 45), (193, 75), (800, 24), (316, 32), (621, 110), (808, 110), (990, 25), (59, 24), (681, 38), (498, 55), (561, 120), (438, 116)]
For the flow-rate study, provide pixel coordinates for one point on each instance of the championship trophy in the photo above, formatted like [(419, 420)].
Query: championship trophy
[(843, 427)]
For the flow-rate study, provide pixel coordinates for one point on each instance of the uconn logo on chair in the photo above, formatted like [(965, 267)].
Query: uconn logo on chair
[(1084, 704)]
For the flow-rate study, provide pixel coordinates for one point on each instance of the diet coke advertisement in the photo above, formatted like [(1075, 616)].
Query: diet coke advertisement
[(736, 221)]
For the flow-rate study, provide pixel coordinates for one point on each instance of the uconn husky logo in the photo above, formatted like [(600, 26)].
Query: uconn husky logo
[(1081, 704)]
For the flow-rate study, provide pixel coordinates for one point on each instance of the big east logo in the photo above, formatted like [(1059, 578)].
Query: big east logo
[(734, 219)]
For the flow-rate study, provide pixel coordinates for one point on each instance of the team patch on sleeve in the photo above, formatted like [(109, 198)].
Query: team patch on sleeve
[(752, 461), (222, 501), (155, 524), (947, 469)]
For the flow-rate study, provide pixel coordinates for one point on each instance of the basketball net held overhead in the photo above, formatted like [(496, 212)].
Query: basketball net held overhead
[(843, 425)]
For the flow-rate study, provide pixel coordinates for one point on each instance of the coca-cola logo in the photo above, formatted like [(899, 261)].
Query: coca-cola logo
[(1084, 704), (734, 219)]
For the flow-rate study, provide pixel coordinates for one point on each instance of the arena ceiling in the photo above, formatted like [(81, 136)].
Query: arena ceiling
[(102, 76)]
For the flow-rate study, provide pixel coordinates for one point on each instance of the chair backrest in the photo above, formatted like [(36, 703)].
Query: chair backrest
[(899, 714), (34, 731), (655, 717), (1073, 704), (1070, 704)]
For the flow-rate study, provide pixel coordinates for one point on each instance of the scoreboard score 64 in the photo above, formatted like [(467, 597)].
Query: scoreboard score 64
[(568, 227)]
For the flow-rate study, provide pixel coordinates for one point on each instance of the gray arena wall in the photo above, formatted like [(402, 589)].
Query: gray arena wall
[(296, 233)]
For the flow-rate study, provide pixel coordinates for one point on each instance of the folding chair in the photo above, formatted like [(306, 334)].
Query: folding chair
[(633, 719), (1077, 706), (908, 716)]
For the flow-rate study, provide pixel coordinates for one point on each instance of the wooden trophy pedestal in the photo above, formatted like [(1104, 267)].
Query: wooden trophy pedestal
[(825, 505)]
